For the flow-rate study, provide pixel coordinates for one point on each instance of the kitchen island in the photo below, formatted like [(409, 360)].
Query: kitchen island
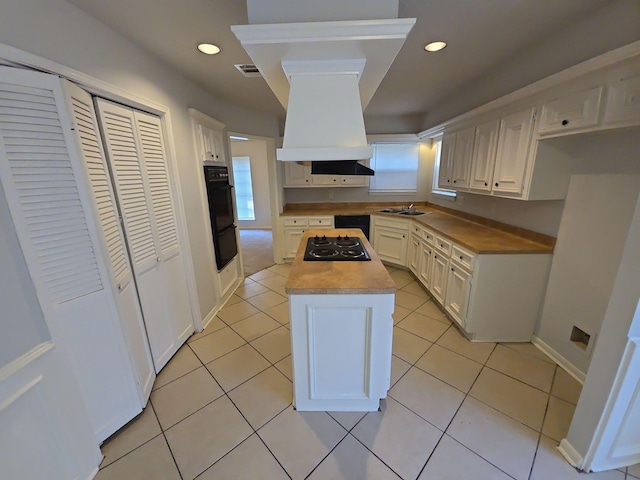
[(341, 329)]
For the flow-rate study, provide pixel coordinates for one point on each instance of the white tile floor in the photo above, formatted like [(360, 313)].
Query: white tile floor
[(221, 408)]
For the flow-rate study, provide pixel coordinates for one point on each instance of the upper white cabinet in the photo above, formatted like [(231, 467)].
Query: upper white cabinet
[(485, 145), (298, 175), (209, 137), (462, 158), (623, 101), (513, 150), (447, 152), (572, 111)]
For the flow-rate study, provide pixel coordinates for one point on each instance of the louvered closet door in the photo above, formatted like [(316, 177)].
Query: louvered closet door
[(167, 326), (51, 210), (86, 130)]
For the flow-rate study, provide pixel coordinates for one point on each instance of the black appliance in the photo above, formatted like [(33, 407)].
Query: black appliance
[(223, 228), (335, 249), (340, 167), (353, 221)]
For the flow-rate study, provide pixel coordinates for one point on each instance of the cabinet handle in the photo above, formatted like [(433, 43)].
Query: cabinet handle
[(565, 122)]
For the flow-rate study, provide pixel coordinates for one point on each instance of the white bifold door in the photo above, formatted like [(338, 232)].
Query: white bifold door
[(137, 158)]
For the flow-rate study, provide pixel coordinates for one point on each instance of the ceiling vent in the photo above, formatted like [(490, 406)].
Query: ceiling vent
[(248, 70)]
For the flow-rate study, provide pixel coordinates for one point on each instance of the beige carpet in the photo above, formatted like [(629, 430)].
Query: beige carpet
[(257, 250)]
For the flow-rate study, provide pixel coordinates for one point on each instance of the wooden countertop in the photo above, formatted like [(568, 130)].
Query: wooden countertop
[(478, 238), (344, 277)]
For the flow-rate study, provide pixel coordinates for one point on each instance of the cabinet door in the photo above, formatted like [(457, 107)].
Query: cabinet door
[(462, 160), (325, 180), (513, 151), (623, 106), (414, 254), (572, 111), (447, 151), (355, 180), (426, 261), (484, 156), (457, 293), (439, 269), (292, 237), (211, 144), (296, 175), (390, 245)]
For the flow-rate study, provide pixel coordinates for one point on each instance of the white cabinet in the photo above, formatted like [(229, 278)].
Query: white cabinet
[(391, 239), (447, 152), (571, 111), (341, 351), (294, 228), (462, 158), (483, 161), (623, 107), (439, 269), (513, 152), (415, 251), (210, 137), (458, 284), (426, 265), (296, 175)]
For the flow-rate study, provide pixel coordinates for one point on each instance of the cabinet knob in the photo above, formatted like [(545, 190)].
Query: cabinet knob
[(485, 184), (461, 257), (403, 236), (335, 180), (452, 269), (496, 184), (448, 181), (307, 181), (565, 122)]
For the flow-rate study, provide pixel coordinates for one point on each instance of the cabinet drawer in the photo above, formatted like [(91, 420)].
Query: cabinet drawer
[(572, 111), (462, 257), (389, 222), (417, 230), (294, 221), (428, 236), (443, 245), (321, 222)]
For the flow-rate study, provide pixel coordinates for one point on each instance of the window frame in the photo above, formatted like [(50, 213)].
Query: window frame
[(396, 191)]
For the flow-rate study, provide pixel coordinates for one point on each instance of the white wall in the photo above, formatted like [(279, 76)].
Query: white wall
[(361, 194), (58, 31), (256, 150)]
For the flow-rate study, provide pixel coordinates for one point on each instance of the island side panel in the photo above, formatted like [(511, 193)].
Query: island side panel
[(341, 348)]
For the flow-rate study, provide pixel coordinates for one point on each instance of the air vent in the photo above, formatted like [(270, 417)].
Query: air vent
[(248, 70)]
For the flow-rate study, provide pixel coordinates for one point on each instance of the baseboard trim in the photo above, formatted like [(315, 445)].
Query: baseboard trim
[(565, 364), (210, 316), (570, 454)]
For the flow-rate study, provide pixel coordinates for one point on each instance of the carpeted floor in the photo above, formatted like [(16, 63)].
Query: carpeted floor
[(257, 250)]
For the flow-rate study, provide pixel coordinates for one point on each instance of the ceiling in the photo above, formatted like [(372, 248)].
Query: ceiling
[(494, 47)]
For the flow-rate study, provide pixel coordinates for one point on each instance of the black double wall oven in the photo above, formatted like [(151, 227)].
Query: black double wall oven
[(223, 227)]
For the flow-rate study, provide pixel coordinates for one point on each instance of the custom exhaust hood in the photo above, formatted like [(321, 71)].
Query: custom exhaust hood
[(324, 74)]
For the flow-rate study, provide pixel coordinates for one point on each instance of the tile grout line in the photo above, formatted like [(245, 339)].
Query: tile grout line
[(544, 417)]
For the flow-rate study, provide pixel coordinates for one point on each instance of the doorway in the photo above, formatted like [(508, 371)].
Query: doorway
[(252, 189)]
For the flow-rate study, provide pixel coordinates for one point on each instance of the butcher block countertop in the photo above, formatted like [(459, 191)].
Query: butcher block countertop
[(480, 235), (342, 277)]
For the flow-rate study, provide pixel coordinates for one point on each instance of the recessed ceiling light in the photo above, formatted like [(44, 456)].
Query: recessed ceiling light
[(435, 46), (209, 48)]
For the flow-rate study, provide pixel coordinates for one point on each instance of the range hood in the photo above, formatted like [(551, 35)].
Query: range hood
[(340, 167), (324, 74)]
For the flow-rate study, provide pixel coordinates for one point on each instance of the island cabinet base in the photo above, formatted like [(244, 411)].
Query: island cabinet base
[(341, 348)]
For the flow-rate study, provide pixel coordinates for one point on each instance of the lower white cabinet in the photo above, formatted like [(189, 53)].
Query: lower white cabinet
[(294, 228), (341, 351), (491, 297), (391, 239)]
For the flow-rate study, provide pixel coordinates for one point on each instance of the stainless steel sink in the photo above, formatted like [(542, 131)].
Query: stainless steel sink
[(400, 211), (413, 213), (391, 210)]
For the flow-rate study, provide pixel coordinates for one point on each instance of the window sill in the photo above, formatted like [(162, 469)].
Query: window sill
[(448, 195)]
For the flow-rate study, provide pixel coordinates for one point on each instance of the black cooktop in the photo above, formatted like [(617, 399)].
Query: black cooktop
[(335, 249)]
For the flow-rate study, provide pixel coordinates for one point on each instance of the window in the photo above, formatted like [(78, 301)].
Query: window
[(243, 187), (450, 194), (396, 167)]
